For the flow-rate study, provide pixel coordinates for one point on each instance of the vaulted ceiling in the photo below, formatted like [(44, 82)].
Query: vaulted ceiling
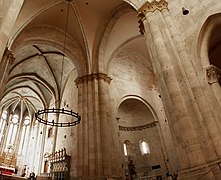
[(53, 38)]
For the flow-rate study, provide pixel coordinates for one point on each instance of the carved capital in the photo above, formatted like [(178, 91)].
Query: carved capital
[(9, 56), (91, 77), (214, 74), (153, 6)]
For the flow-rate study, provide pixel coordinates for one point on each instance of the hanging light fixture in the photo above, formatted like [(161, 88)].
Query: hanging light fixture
[(74, 115)]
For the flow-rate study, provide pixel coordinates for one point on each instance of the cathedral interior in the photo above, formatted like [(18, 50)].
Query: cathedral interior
[(139, 81)]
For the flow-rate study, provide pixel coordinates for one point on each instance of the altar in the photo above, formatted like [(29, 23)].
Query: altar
[(7, 170), (7, 163)]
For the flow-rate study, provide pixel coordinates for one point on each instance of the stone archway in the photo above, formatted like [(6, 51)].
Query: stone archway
[(137, 124)]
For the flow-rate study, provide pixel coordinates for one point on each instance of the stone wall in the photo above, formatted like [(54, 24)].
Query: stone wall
[(144, 163)]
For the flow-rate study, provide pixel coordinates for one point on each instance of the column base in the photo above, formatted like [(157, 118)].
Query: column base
[(206, 171)]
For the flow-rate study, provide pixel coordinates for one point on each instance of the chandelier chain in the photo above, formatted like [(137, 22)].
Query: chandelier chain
[(65, 39)]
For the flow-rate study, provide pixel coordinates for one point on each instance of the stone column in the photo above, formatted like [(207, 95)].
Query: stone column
[(166, 137), (5, 65), (96, 151), (5, 132), (29, 138), (214, 76), (55, 133), (42, 147), (36, 135), (173, 91), (20, 127), (32, 143), (5, 136), (184, 101), (8, 22), (198, 103)]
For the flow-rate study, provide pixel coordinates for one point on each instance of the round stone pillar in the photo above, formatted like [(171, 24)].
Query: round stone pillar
[(96, 148), (194, 127), (199, 105), (55, 132), (173, 85)]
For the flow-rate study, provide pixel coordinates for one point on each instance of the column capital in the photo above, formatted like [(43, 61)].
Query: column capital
[(153, 6), (214, 74), (91, 77)]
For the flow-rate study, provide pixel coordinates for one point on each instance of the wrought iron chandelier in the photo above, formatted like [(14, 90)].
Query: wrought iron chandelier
[(60, 111), (41, 113)]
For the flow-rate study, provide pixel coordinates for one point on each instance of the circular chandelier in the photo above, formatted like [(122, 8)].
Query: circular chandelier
[(58, 111)]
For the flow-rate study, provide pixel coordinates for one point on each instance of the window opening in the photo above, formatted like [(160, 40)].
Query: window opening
[(144, 147), (24, 136), (125, 149)]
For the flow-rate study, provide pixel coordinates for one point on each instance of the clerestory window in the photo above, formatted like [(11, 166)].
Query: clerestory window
[(24, 136)]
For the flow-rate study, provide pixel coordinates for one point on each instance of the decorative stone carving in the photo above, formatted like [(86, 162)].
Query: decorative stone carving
[(137, 128), (141, 27), (214, 74), (153, 6), (9, 56), (91, 77)]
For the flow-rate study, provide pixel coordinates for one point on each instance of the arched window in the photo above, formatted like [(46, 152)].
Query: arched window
[(13, 127), (144, 147), (24, 135), (127, 148), (2, 123)]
